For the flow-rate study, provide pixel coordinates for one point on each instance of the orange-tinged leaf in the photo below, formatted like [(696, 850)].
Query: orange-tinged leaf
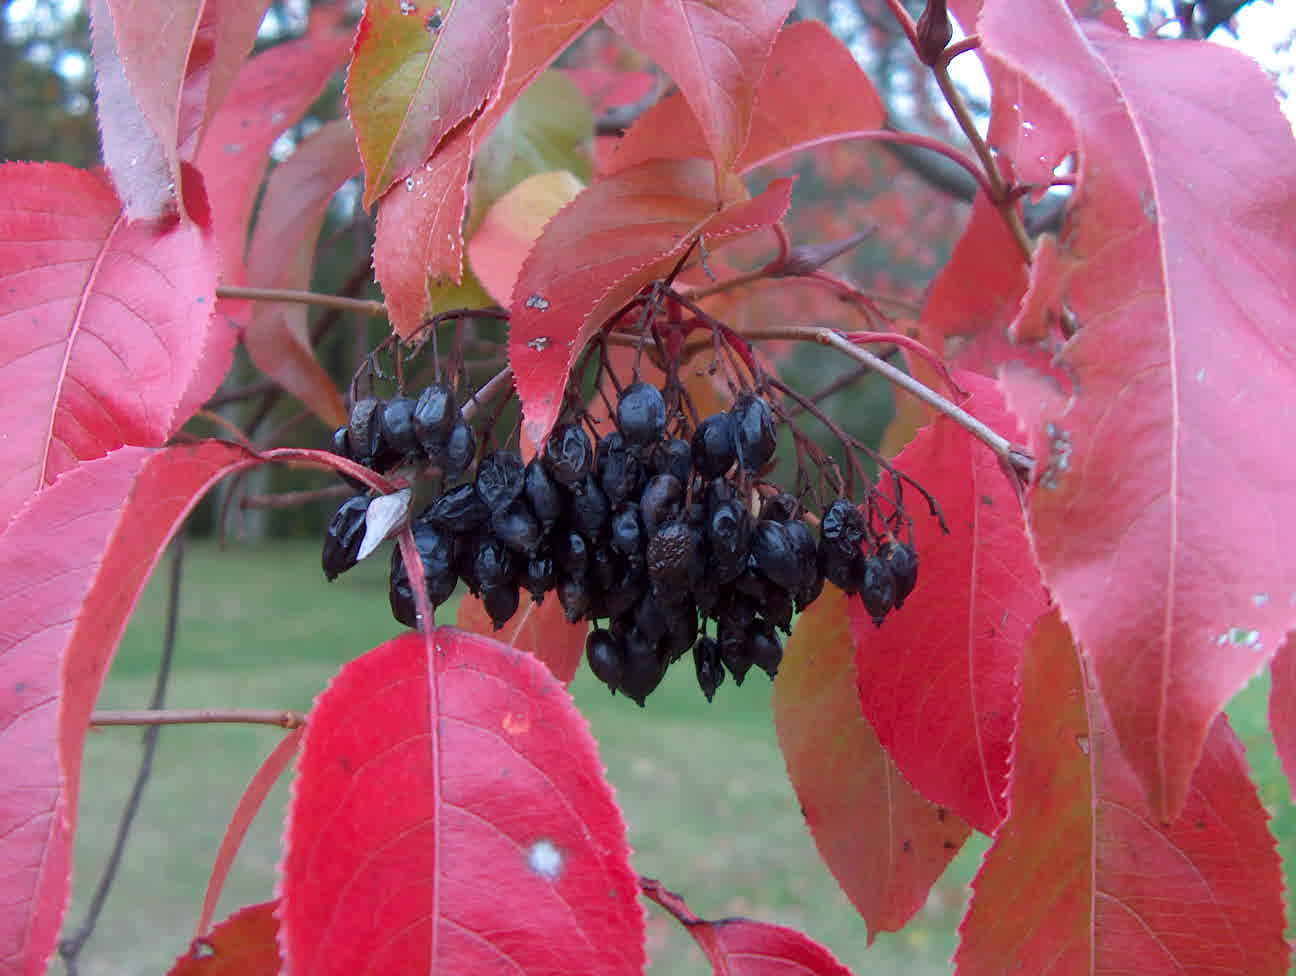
[(715, 52), (282, 254), (609, 242), (420, 68), (938, 679), (245, 944), (883, 841), (1083, 878), (1170, 446), (513, 224), (450, 815), (806, 58), (539, 629)]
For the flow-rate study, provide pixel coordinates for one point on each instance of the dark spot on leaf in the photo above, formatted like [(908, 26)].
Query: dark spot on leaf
[(434, 22), (907, 847), (1201, 824), (987, 500), (941, 813), (949, 845), (344, 762)]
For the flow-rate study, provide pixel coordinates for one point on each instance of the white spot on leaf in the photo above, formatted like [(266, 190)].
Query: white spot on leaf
[(545, 859), (1240, 637), (538, 303), (539, 343), (1083, 742), (407, 7), (1059, 460), (1260, 599)]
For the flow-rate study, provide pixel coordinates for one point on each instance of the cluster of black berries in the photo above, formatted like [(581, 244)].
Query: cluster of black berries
[(650, 534)]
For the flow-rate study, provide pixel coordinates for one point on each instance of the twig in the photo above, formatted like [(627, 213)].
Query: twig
[(70, 948), (295, 499), (363, 305), (487, 391), (198, 716)]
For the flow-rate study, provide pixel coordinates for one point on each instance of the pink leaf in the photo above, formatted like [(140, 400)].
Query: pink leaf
[(1170, 448), (245, 944), (108, 336), (249, 806), (1282, 708), (271, 94), (140, 53), (420, 68), (600, 249), (450, 815), (744, 947), (540, 629), (1083, 878), (420, 233), (715, 52), (883, 841), (72, 565), (938, 680), (282, 254)]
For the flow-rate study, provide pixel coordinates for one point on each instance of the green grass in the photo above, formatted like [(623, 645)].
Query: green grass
[(702, 788)]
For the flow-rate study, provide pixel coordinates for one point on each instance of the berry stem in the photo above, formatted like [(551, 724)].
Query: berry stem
[(197, 716), (362, 305)]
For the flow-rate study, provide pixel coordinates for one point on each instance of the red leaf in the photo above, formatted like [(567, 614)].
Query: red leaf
[(1282, 708), (140, 53), (884, 842), (715, 52), (614, 238), (1171, 448), (420, 232), (281, 255), (72, 565), (249, 805), (540, 629), (419, 69), (806, 58), (743, 947), (450, 815), (271, 93), (938, 680), (245, 944), (1082, 878), (108, 336)]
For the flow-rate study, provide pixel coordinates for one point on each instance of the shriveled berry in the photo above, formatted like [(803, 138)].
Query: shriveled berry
[(805, 551), (342, 443), (674, 554), (643, 668), (619, 469), (766, 651), (735, 652), (777, 609), (342, 538), (501, 602), (809, 591), (650, 617), (672, 456), (624, 594), (568, 454), (661, 501), (641, 414), (540, 576), (435, 416), (589, 510), (543, 495), (493, 563), (901, 559), (707, 664), (460, 449), (517, 528), (877, 589), (603, 569), (843, 528), (627, 534), (782, 507), (571, 552), (435, 549), (681, 632), (458, 510), (397, 425), (605, 655), (713, 448), (573, 594), (774, 554), (753, 431), (500, 479)]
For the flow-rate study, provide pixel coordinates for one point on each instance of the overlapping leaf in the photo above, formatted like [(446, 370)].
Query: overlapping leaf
[(1282, 708), (806, 58), (938, 680), (716, 54), (1162, 512), (884, 842), (281, 255), (72, 565), (107, 336), (745, 947), (420, 68), (242, 945), (271, 93), (537, 628), (614, 238), (1109, 888), (450, 815)]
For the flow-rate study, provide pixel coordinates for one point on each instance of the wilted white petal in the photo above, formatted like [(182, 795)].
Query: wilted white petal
[(386, 514)]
